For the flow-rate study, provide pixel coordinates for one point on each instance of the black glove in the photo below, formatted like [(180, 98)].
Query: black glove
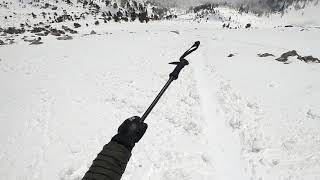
[(130, 132)]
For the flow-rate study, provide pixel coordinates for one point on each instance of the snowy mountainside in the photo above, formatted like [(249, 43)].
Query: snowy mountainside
[(233, 18), (32, 21), (224, 16), (274, 6), (20, 12), (306, 17)]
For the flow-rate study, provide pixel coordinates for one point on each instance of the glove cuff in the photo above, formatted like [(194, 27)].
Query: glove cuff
[(123, 140)]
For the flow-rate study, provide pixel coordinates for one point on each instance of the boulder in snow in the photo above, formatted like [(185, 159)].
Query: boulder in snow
[(284, 57), (13, 30), (76, 25), (63, 18), (231, 55), (43, 34), (66, 37), (265, 55), (67, 29), (309, 59), (56, 32), (248, 25), (37, 29), (36, 41)]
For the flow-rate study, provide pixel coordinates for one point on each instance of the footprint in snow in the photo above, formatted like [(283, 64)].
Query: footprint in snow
[(72, 173)]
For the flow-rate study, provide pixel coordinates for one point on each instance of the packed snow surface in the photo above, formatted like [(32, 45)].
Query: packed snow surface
[(243, 117)]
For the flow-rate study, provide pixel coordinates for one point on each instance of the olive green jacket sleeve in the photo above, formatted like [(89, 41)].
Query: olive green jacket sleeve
[(110, 163)]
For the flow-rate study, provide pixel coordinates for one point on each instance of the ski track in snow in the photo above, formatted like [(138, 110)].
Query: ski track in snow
[(244, 117), (65, 103), (218, 132)]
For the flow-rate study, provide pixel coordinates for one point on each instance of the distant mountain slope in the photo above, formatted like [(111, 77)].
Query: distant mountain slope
[(274, 6), (48, 11), (299, 13), (34, 20)]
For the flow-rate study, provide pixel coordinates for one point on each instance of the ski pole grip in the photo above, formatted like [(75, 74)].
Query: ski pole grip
[(194, 47), (175, 73)]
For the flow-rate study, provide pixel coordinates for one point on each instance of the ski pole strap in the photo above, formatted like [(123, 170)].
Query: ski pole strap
[(189, 51), (183, 62)]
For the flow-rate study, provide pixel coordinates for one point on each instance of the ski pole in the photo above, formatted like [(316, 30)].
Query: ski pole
[(173, 76)]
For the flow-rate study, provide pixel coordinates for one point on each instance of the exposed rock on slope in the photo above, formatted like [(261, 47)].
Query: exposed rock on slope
[(308, 59)]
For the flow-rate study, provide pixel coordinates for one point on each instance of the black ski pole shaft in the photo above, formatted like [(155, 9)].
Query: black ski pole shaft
[(173, 76), (155, 101)]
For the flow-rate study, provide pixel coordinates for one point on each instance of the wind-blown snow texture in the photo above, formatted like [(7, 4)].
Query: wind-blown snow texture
[(243, 117)]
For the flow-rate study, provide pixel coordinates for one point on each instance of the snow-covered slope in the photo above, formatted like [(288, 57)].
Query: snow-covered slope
[(306, 17), (231, 115), (226, 118)]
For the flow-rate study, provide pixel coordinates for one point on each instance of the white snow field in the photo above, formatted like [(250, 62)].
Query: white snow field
[(243, 117)]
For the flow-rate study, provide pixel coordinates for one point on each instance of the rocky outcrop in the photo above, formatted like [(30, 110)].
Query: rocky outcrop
[(76, 25), (13, 30), (67, 29), (308, 59), (284, 57)]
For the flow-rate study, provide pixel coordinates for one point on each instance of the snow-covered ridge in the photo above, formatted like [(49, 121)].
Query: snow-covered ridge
[(234, 18)]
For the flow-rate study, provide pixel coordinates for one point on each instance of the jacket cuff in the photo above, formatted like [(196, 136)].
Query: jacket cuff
[(124, 141)]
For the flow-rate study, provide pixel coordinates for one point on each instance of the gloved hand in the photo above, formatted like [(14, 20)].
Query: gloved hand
[(130, 132)]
